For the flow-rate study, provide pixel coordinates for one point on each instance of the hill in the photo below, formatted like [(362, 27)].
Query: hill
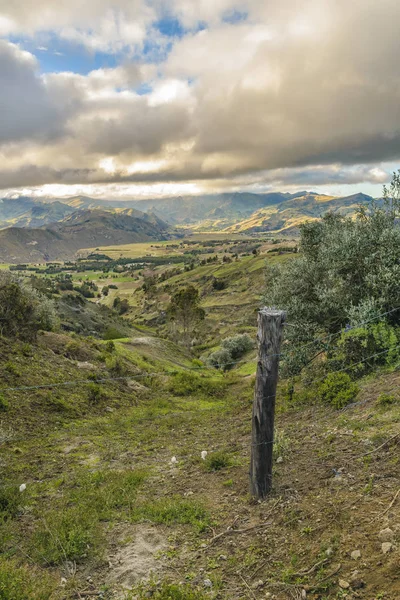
[(81, 229)]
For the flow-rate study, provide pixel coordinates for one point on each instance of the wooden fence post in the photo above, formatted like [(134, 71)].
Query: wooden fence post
[(269, 338)]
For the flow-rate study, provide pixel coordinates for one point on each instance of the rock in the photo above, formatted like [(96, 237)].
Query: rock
[(204, 454), (85, 365), (207, 583), (344, 584), (109, 409), (22, 487), (174, 460), (303, 594), (356, 554), (329, 552), (222, 557), (63, 581), (279, 459), (257, 584), (387, 547), (357, 584), (386, 535)]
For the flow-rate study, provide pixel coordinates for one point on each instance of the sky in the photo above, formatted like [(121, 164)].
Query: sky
[(151, 98)]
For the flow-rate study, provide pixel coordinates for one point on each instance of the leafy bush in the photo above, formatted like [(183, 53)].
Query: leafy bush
[(232, 349), (338, 390), (366, 348), (220, 359), (24, 310), (238, 345)]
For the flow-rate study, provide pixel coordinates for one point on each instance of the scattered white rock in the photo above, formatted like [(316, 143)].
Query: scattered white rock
[(344, 584), (387, 547), (223, 557), (356, 554), (303, 594), (207, 583), (174, 460), (386, 535), (63, 581), (329, 552), (279, 459), (22, 487), (204, 454)]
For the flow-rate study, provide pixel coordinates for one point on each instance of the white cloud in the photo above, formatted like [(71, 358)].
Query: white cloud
[(292, 93)]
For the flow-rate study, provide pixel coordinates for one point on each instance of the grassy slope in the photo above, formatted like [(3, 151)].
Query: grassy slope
[(96, 460), (102, 468)]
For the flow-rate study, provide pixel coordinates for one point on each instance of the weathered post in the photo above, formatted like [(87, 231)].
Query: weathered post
[(269, 338)]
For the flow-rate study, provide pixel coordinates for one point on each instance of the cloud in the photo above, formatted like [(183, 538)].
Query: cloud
[(287, 93)]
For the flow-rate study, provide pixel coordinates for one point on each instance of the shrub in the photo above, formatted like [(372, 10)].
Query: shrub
[(216, 461), (387, 399), (366, 348), (4, 404), (338, 390), (95, 393), (115, 365), (220, 359), (24, 310), (238, 345)]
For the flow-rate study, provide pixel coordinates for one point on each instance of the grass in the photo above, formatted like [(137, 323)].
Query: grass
[(18, 582), (173, 511)]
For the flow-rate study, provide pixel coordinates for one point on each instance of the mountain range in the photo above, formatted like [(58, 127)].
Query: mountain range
[(81, 229), (33, 230)]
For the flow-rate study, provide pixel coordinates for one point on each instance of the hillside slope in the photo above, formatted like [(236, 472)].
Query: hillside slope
[(82, 229)]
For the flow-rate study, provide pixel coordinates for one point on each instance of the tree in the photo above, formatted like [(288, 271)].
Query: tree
[(347, 271), (184, 310)]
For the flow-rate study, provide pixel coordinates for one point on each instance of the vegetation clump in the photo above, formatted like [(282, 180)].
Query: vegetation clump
[(24, 310), (338, 390), (232, 349)]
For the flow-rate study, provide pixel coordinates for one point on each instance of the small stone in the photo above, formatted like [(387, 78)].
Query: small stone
[(279, 459), (357, 584), (386, 547), (109, 409), (174, 460), (386, 535), (222, 557), (344, 584), (356, 554), (303, 594), (22, 487), (63, 581), (329, 552), (207, 583)]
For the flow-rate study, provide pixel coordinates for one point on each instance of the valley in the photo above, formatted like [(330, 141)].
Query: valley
[(104, 421)]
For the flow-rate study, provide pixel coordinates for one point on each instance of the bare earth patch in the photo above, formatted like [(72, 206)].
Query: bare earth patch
[(138, 555)]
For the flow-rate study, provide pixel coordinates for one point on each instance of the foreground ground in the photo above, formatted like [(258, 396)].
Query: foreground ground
[(119, 503)]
